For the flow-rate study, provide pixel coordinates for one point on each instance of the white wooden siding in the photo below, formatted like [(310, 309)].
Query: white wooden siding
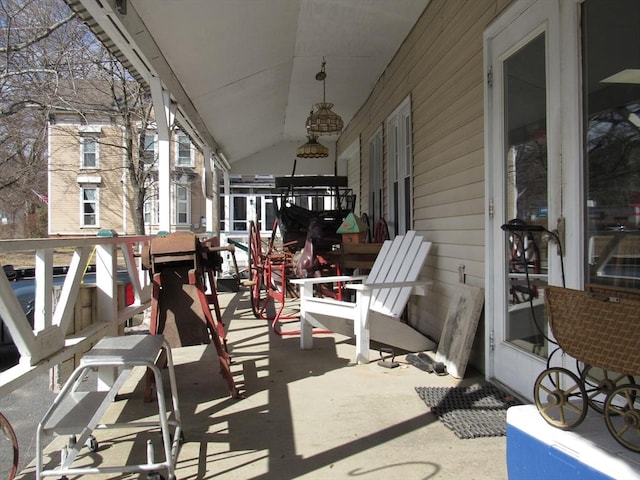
[(440, 64)]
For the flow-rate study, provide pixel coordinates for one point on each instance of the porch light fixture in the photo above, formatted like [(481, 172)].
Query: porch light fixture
[(312, 149), (323, 121)]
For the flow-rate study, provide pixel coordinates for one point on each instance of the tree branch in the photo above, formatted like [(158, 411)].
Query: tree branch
[(44, 34)]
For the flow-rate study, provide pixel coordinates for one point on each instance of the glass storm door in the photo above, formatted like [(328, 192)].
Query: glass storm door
[(524, 178)]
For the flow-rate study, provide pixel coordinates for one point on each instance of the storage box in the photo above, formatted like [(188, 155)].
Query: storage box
[(537, 450)]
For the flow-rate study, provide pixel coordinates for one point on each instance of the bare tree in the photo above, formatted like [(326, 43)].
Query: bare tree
[(32, 60), (50, 62)]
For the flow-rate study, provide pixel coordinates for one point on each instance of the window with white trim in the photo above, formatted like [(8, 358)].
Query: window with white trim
[(222, 203), (89, 206), (88, 152), (182, 204), (239, 213), (399, 160), (376, 174), (149, 153), (150, 208), (184, 153)]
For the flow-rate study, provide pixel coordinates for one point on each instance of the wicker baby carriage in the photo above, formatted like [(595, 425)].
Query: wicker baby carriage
[(600, 328)]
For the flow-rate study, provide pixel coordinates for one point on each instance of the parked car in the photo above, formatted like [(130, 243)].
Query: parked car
[(23, 283)]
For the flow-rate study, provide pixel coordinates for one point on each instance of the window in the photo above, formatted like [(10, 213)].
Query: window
[(223, 215), (149, 153), (151, 214), (375, 178), (89, 152), (240, 213), (238, 210), (182, 205), (183, 156), (269, 212), (89, 206), (612, 142), (399, 161)]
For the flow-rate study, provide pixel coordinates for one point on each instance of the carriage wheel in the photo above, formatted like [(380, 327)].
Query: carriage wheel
[(272, 238), (381, 231), (256, 269), (622, 415), (600, 383), (524, 256), (560, 398), (365, 218), (9, 443)]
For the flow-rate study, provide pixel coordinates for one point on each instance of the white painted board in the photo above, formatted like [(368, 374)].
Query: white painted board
[(459, 329)]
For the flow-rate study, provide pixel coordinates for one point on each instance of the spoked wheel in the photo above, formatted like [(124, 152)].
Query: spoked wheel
[(622, 415), (560, 398), (9, 446), (365, 218), (381, 231), (524, 257), (600, 383), (256, 269)]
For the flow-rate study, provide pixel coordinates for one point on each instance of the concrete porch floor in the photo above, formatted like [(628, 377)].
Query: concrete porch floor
[(306, 414)]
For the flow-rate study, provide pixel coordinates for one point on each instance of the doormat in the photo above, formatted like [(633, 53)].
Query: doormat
[(470, 412)]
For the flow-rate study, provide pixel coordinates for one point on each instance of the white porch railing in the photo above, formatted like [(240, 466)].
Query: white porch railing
[(54, 338)]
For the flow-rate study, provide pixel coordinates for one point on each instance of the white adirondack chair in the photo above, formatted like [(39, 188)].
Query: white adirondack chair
[(380, 300)]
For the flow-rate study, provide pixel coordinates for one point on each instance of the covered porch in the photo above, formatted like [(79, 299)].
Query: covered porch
[(306, 413)]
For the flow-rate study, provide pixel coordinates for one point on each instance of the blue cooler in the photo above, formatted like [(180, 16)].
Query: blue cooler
[(537, 450)]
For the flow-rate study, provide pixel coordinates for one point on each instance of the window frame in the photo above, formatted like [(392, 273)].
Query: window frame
[(83, 153), (180, 137), (154, 150), (399, 162), (186, 202), (150, 211), (376, 177), (84, 202)]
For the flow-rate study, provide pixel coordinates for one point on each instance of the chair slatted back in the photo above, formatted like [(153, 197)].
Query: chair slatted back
[(400, 260)]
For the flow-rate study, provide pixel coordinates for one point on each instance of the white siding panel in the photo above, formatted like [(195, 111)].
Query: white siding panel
[(440, 65)]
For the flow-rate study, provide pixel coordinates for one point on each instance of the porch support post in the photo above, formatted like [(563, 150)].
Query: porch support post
[(210, 199), (165, 115), (215, 201), (227, 204)]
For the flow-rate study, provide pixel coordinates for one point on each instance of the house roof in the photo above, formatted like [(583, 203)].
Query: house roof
[(243, 71)]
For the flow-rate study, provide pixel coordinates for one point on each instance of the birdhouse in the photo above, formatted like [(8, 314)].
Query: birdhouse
[(352, 229)]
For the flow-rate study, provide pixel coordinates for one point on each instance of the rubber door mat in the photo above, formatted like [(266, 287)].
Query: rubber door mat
[(470, 412)]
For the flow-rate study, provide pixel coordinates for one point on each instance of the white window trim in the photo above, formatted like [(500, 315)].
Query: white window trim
[(177, 152), (152, 201), (399, 164), (376, 176), (86, 179), (149, 133), (89, 129), (82, 204), (176, 202), (82, 152)]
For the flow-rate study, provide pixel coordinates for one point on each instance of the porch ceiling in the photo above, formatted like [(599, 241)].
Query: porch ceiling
[(247, 67)]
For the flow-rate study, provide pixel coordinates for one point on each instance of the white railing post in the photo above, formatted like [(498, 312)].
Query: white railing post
[(42, 313), (107, 281)]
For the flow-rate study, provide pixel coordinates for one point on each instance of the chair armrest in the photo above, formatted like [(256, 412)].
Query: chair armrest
[(336, 278), (372, 286)]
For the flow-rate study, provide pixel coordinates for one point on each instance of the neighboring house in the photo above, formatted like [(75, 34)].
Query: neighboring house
[(90, 188)]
